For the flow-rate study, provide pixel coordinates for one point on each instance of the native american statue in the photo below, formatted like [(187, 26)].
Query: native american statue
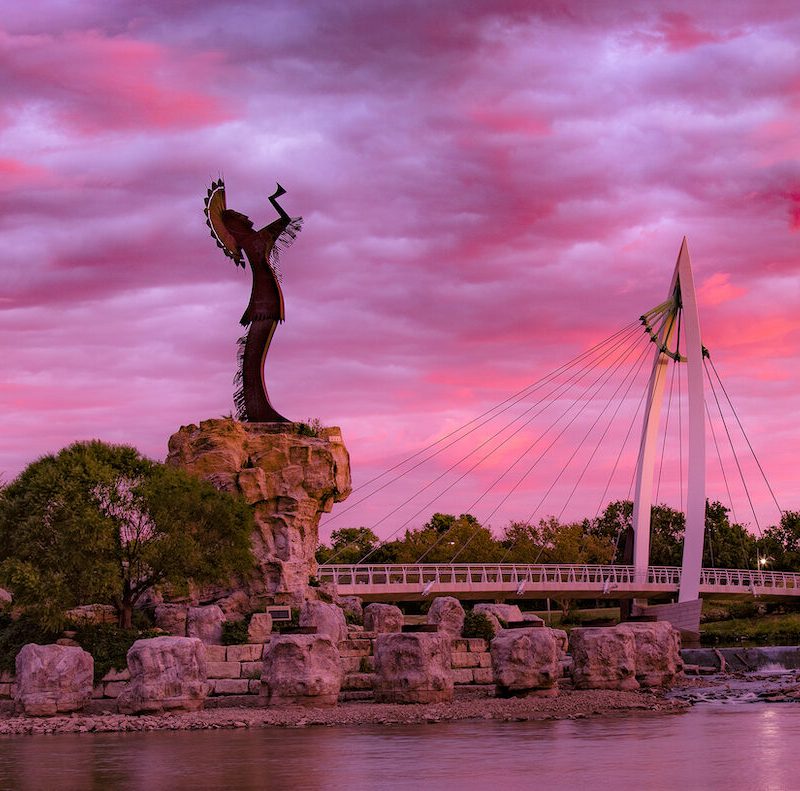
[(234, 234)]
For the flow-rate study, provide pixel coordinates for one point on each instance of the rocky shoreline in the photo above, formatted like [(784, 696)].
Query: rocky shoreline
[(568, 704)]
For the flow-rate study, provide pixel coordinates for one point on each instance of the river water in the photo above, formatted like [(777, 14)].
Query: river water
[(713, 746)]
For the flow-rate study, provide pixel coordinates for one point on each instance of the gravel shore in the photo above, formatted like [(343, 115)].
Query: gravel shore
[(566, 705)]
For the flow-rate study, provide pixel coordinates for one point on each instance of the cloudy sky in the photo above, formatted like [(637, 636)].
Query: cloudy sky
[(488, 188)]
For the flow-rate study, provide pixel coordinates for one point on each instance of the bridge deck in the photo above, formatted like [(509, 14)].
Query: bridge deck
[(484, 581)]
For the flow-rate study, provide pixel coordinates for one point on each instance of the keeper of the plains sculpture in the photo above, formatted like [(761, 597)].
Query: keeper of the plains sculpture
[(234, 234)]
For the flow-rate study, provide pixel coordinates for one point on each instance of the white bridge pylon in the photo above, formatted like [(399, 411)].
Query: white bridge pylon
[(678, 315)]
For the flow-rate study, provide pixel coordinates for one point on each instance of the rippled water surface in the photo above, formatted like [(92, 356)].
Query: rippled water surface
[(750, 747)]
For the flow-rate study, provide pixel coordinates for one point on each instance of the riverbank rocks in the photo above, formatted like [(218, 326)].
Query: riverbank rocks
[(302, 669), (328, 618), (603, 658), (448, 614), (260, 627), (413, 667), (658, 653), (167, 674), (500, 615), (289, 479), (52, 679), (525, 662), (382, 618), (171, 618), (205, 623)]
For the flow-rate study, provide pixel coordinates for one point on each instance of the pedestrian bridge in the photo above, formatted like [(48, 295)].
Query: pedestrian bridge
[(507, 580)]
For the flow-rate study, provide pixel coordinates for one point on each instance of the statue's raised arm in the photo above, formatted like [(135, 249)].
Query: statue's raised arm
[(234, 234)]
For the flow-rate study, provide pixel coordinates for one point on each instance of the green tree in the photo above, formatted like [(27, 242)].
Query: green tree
[(348, 545), (446, 538), (780, 544), (99, 523), (727, 546)]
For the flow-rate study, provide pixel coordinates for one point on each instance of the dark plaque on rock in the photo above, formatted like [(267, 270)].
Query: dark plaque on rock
[(234, 234)]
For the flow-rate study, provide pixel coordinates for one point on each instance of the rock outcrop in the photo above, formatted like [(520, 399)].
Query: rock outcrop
[(525, 662), (658, 653), (289, 479), (302, 669), (448, 614), (205, 623), (52, 679), (328, 618), (499, 614), (92, 614), (603, 658), (167, 674), (413, 667), (382, 618)]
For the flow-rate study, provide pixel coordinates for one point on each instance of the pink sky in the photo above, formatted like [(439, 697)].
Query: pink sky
[(488, 188)]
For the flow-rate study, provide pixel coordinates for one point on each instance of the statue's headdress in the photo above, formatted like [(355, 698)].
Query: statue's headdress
[(214, 206)]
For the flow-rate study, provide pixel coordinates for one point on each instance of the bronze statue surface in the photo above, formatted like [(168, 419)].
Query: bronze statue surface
[(234, 234)]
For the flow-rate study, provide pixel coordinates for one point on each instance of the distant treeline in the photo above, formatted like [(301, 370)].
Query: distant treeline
[(447, 538)]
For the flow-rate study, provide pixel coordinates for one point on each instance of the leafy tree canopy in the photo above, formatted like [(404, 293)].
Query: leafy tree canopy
[(99, 523)]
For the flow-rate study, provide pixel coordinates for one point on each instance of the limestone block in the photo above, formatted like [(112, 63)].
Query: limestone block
[(658, 652), (167, 673), (289, 480), (6, 689), (52, 679), (223, 669), (483, 675), (252, 669), (448, 614), (216, 653), (259, 628), (205, 623), (303, 669), (603, 658), (525, 661), (254, 686), (463, 675), (383, 618), (464, 659), (244, 653), (358, 681), (328, 618), (113, 689), (355, 647), (230, 686), (477, 644), (171, 618), (413, 667)]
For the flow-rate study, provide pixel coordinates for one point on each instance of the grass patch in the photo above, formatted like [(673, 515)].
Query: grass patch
[(763, 630)]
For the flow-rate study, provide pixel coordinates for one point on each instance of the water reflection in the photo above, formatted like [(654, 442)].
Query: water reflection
[(709, 747)]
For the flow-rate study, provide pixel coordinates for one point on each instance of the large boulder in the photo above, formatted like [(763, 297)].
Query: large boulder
[(413, 667), (353, 608), (562, 641), (205, 623), (499, 615), (289, 479), (92, 614), (525, 661), (167, 673), (171, 618), (52, 679), (448, 614), (658, 653), (301, 669), (328, 618), (603, 658), (259, 630), (382, 618)]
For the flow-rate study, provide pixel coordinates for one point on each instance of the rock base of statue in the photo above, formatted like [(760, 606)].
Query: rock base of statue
[(289, 479)]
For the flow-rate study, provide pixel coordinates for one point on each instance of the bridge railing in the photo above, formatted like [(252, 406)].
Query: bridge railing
[(469, 574)]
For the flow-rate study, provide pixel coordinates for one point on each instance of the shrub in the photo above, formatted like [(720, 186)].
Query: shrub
[(355, 618), (15, 634), (476, 624), (235, 632), (309, 428), (108, 644)]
